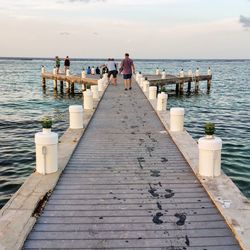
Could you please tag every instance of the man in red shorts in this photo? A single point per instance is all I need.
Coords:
(127, 69)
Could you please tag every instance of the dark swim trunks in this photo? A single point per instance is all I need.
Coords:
(127, 76)
(113, 73)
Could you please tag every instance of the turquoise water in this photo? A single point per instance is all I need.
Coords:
(23, 103)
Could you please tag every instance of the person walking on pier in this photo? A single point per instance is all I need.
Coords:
(66, 63)
(112, 70)
(127, 68)
(57, 64)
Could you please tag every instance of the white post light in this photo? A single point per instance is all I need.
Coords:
(100, 85)
(162, 101)
(88, 100)
(209, 71)
(152, 92)
(177, 119)
(46, 152)
(75, 116)
(181, 73)
(145, 86)
(197, 72)
(94, 89)
(141, 81)
(163, 75)
(210, 156)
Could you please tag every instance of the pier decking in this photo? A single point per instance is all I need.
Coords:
(127, 186)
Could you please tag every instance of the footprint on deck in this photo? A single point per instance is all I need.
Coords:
(156, 218)
(152, 191)
(164, 159)
(155, 173)
(169, 194)
(182, 218)
(159, 206)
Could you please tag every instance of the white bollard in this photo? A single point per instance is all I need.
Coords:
(105, 79)
(210, 156)
(190, 73)
(100, 85)
(197, 72)
(162, 101)
(88, 99)
(181, 73)
(209, 71)
(42, 69)
(46, 152)
(163, 75)
(139, 78)
(157, 72)
(54, 71)
(145, 86)
(152, 92)
(67, 72)
(142, 79)
(83, 74)
(177, 119)
(75, 116)
(94, 89)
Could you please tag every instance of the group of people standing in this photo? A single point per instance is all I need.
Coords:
(126, 68)
(58, 63)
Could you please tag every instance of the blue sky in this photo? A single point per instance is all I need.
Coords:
(108, 28)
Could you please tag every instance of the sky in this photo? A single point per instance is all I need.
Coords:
(164, 29)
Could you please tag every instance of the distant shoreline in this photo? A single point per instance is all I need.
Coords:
(136, 59)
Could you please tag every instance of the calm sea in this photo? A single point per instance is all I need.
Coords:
(23, 103)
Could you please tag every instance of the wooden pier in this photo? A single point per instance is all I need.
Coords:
(156, 80)
(69, 81)
(127, 186)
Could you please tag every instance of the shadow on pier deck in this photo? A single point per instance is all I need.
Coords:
(127, 186)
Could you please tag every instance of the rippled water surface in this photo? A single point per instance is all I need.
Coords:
(23, 103)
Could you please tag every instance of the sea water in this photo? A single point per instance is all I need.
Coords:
(23, 103)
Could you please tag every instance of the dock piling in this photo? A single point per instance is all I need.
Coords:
(55, 84)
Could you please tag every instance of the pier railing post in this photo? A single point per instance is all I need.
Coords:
(152, 92)
(197, 79)
(94, 90)
(177, 119)
(46, 152)
(210, 156)
(76, 116)
(88, 100)
(162, 101)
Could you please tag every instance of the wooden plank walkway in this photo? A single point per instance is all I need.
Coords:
(127, 186)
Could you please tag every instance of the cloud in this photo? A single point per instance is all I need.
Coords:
(245, 21)
(64, 33)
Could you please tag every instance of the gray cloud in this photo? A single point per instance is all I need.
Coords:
(245, 21)
(65, 33)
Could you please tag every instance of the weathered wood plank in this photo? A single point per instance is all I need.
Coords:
(128, 187)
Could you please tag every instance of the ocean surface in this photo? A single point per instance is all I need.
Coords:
(23, 102)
